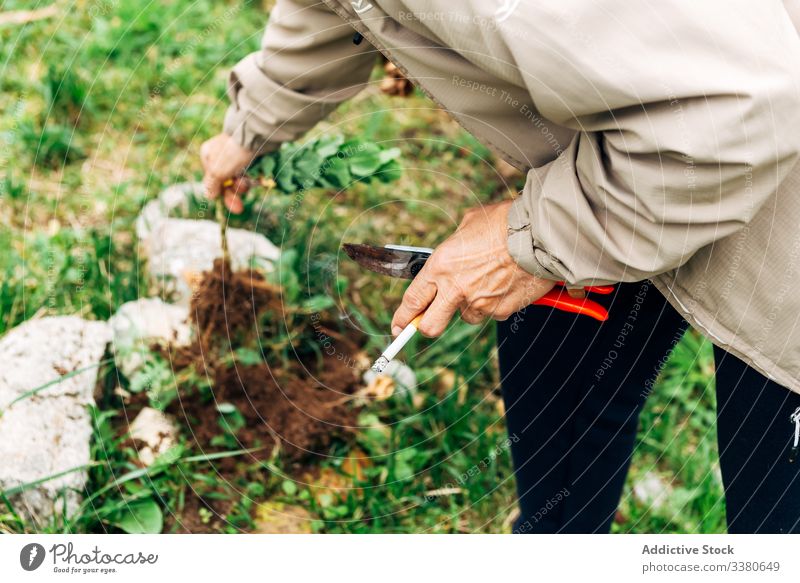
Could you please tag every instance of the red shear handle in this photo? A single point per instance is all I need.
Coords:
(595, 289)
(559, 298)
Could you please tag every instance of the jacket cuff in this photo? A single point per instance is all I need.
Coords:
(235, 125)
(523, 248)
(264, 114)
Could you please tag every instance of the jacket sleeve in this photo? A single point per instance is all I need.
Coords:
(306, 67)
(687, 117)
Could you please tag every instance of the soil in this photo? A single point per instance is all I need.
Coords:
(190, 521)
(297, 411)
(301, 415)
(301, 410)
(227, 304)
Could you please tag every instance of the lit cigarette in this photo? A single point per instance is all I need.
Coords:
(397, 345)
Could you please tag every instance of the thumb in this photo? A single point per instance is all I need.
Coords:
(212, 185)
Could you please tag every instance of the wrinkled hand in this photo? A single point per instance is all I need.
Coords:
(224, 159)
(471, 271)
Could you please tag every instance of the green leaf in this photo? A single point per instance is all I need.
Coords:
(386, 156)
(248, 356)
(403, 471)
(285, 178)
(318, 303)
(328, 145)
(284, 172)
(406, 455)
(219, 441)
(287, 259)
(337, 172)
(389, 172)
(266, 165)
(170, 456)
(140, 517)
(286, 276)
(341, 285)
(289, 487)
(256, 489)
(368, 419)
(366, 160)
(402, 466)
(307, 168)
(152, 373)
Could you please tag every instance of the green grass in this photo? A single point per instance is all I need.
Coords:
(107, 104)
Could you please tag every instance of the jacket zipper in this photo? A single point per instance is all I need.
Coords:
(795, 418)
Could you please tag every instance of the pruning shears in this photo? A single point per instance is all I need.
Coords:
(406, 262)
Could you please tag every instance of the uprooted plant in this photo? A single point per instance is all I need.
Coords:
(268, 384)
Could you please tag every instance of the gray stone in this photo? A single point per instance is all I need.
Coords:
(137, 325)
(172, 202)
(652, 490)
(155, 432)
(405, 379)
(179, 250)
(48, 432)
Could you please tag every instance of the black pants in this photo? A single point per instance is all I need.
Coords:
(574, 388)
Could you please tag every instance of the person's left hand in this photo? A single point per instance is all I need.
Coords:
(471, 271)
(224, 159)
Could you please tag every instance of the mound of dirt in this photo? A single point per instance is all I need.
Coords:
(301, 409)
(226, 304)
(302, 414)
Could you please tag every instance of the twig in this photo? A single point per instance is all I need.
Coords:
(222, 218)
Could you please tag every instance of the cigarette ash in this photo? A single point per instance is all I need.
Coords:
(380, 365)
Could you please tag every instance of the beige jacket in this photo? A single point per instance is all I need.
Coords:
(660, 136)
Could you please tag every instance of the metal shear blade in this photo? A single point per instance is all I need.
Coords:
(392, 260)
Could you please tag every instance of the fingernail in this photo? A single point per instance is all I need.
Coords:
(396, 330)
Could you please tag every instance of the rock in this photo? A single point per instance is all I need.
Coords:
(137, 325)
(178, 250)
(404, 378)
(279, 518)
(651, 490)
(154, 432)
(172, 201)
(48, 432)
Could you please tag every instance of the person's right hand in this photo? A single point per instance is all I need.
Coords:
(224, 159)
